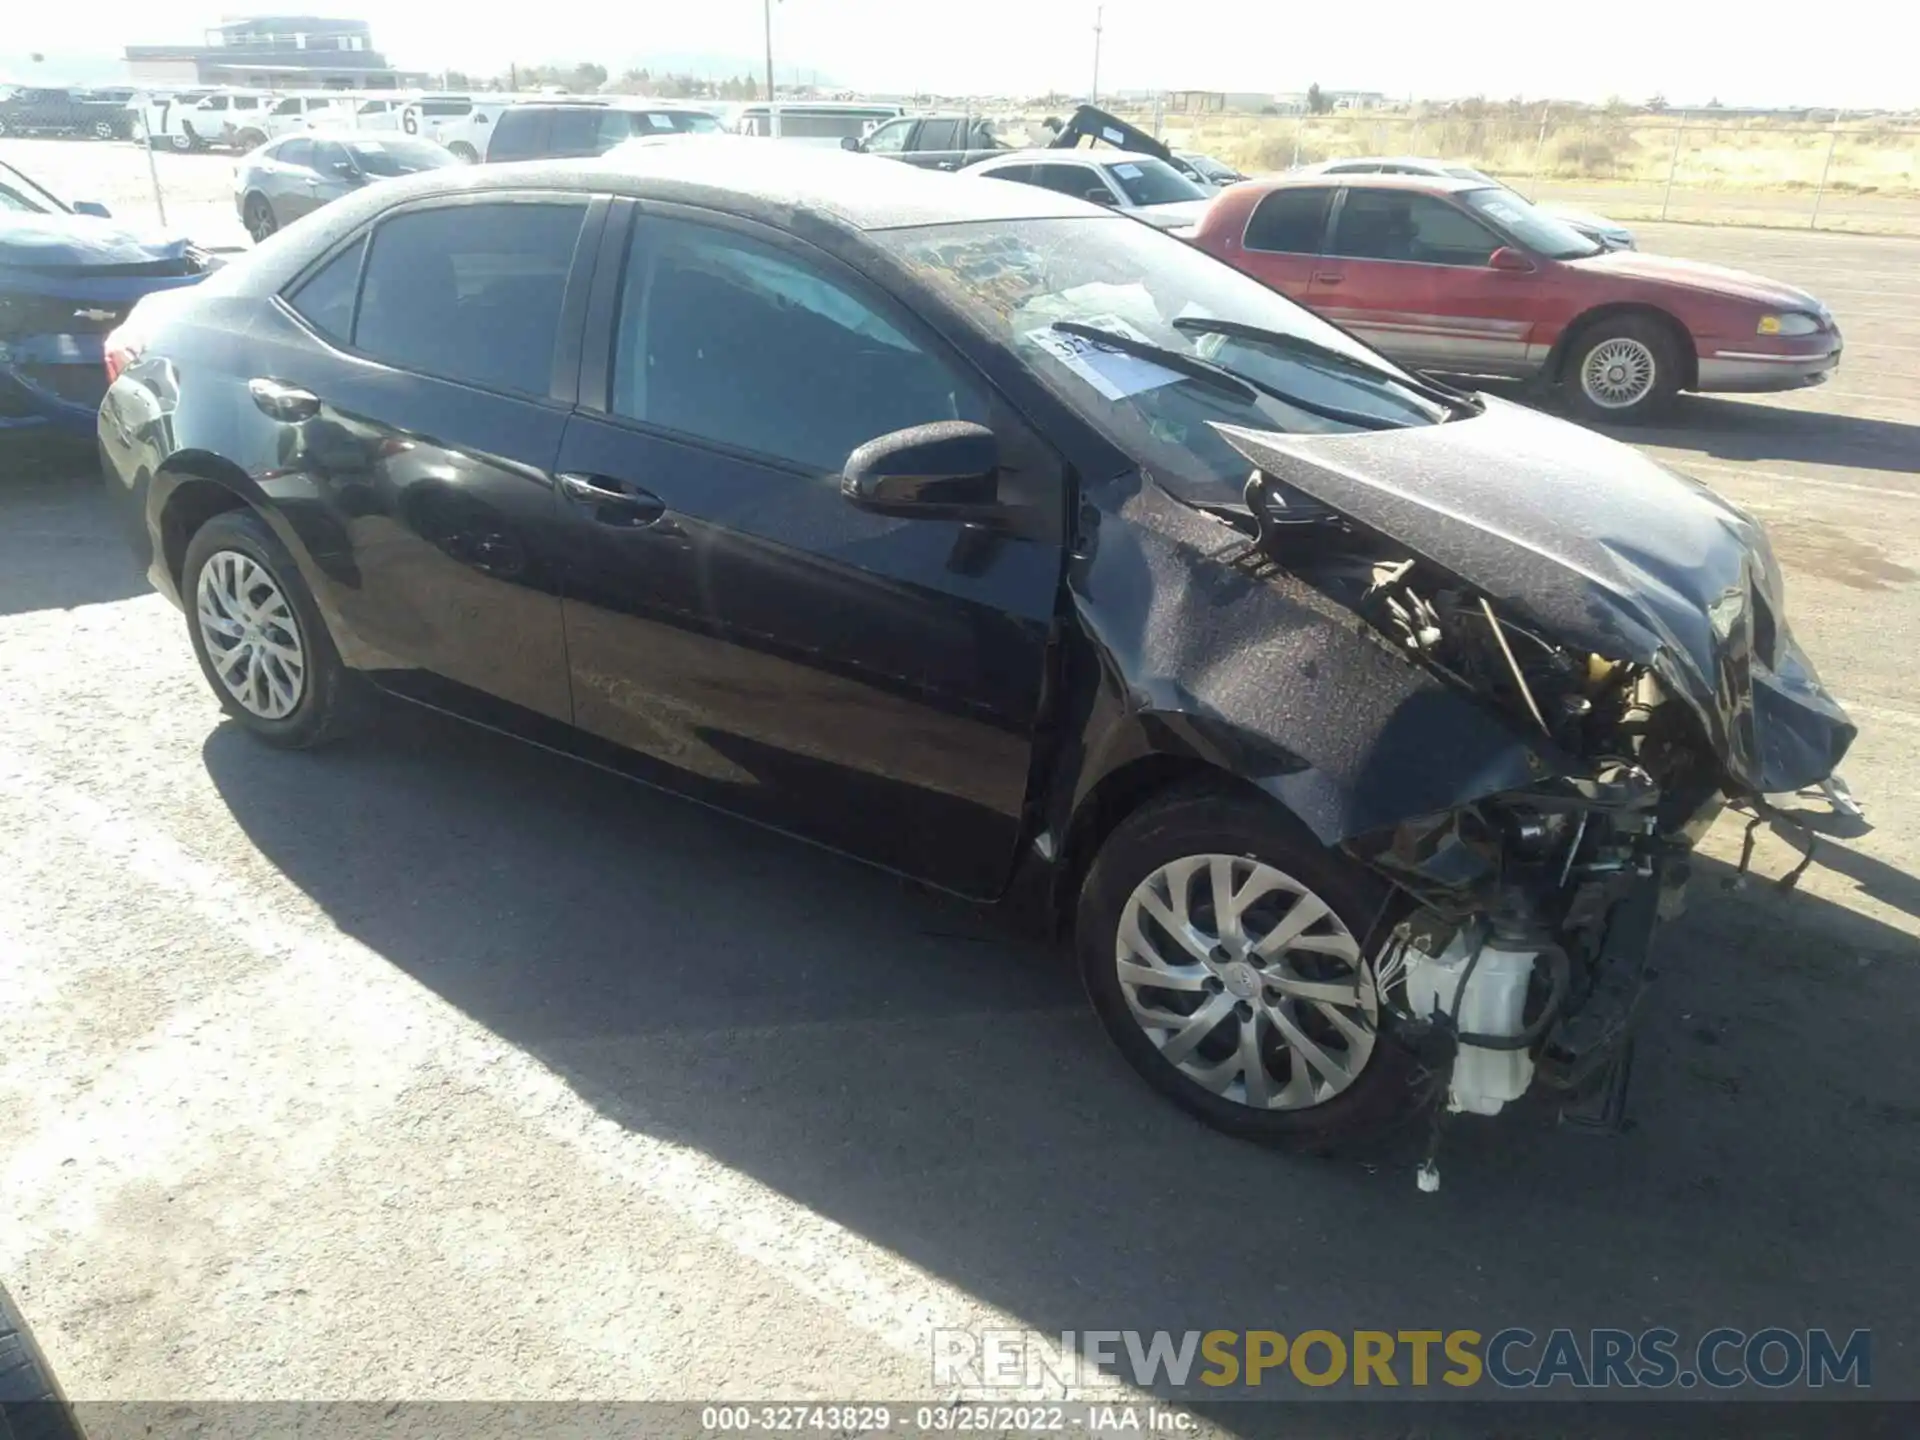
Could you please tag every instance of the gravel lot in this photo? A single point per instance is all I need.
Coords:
(433, 1067)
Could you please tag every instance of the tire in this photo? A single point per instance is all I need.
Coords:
(186, 142)
(31, 1401)
(464, 153)
(249, 140)
(327, 699)
(258, 217)
(103, 130)
(1622, 371)
(1307, 1111)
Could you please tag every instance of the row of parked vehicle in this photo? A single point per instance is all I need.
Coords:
(1354, 727)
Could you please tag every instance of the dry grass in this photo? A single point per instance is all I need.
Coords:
(1734, 155)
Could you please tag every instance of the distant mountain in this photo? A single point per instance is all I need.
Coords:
(714, 65)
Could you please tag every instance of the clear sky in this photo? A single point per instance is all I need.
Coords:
(1857, 53)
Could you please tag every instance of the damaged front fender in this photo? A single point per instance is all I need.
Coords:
(1221, 654)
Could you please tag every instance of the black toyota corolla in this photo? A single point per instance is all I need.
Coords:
(1354, 728)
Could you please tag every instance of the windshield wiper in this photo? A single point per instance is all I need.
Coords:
(1191, 366)
(1444, 395)
(1241, 387)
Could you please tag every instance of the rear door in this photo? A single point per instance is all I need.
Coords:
(419, 383)
(733, 624)
(290, 179)
(1284, 237)
(1407, 272)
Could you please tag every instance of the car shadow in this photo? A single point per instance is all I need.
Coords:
(60, 545)
(1745, 430)
(895, 1062)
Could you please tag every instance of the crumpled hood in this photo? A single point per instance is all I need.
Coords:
(78, 242)
(1603, 550)
(1698, 275)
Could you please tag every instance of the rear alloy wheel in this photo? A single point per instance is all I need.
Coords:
(103, 130)
(259, 637)
(248, 140)
(260, 219)
(1623, 370)
(1221, 945)
(186, 141)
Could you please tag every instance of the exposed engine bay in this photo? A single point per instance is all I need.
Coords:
(1521, 951)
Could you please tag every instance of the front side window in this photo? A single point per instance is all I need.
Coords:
(471, 292)
(1016, 280)
(1290, 222)
(1408, 226)
(726, 339)
(1148, 181)
(398, 155)
(891, 138)
(287, 107)
(1532, 227)
(330, 158)
(325, 299)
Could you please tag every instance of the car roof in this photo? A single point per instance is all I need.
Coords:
(1044, 154)
(1427, 184)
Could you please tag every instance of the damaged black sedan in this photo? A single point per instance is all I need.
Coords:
(1356, 730)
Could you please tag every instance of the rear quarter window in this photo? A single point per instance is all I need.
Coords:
(325, 298)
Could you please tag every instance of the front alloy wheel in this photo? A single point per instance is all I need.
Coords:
(1246, 981)
(1623, 370)
(261, 221)
(1218, 939)
(251, 634)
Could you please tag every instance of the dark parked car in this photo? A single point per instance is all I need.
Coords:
(37, 110)
(559, 130)
(68, 275)
(933, 142)
(297, 174)
(913, 514)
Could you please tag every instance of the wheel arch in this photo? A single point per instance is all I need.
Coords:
(191, 488)
(1584, 322)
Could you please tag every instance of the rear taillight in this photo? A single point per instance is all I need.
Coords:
(123, 348)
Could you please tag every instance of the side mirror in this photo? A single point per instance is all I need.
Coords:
(949, 470)
(851, 142)
(93, 208)
(1513, 261)
(346, 169)
(1099, 195)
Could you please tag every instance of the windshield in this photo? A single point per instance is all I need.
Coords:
(1147, 181)
(1532, 227)
(22, 196)
(398, 157)
(676, 122)
(1017, 280)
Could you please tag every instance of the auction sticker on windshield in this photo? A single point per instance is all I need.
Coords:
(1114, 374)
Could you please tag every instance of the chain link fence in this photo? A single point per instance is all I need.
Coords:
(1698, 166)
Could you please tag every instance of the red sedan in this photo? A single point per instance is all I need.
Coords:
(1461, 278)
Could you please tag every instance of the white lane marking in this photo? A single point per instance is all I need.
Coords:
(398, 1028)
(1685, 463)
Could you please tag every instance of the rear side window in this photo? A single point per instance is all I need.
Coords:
(295, 152)
(1023, 174)
(521, 135)
(1080, 181)
(325, 299)
(471, 292)
(940, 135)
(576, 132)
(1289, 222)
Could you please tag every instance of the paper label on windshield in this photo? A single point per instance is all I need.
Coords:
(1113, 374)
(1127, 172)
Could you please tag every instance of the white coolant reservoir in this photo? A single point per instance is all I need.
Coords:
(1495, 1003)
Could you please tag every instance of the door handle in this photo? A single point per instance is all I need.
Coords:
(1327, 277)
(619, 503)
(283, 402)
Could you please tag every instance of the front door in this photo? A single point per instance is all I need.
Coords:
(737, 628)
(416, 445)
(1407, 272)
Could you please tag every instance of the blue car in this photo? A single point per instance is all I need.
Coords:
(68, 275)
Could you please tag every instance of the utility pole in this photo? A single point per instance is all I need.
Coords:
(1099, 17)
(767, 5)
